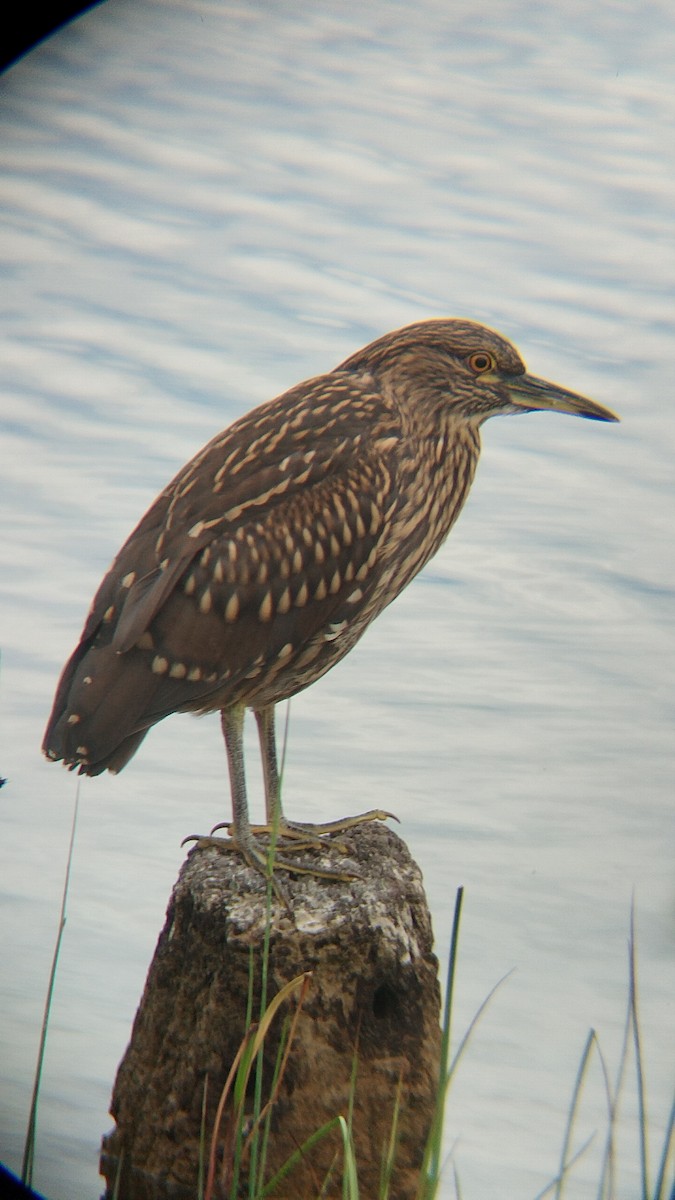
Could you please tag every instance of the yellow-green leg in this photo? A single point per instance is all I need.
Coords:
(242, 832)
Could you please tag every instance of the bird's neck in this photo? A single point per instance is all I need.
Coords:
(435, 479)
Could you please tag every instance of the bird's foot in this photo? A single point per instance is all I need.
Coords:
(266, 861)
(307, 834)
(296, 836)
(302, 837)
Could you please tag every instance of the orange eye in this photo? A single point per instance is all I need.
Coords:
(480, 362)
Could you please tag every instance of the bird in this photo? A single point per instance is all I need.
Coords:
(268, 555)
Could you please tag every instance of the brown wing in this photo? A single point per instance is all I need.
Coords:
(232, 584)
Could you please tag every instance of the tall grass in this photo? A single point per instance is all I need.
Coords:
(608, 1182)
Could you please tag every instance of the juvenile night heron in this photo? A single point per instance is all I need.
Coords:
(268, 555)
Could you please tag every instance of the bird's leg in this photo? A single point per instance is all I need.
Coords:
(276, 824)
(232, 724)
(268, 753)
(275, 816)
(242, 832)
(242, 839)
(265, 720)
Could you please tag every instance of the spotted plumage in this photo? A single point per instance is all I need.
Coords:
(264, 560)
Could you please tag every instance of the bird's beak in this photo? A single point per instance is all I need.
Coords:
(529, 393)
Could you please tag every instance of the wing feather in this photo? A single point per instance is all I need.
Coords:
(242, 561)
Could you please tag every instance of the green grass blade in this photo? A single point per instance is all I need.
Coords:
(430, 1173)
(350, 1183)
(607, 1186)
(637, 1048)
(349, 1166)
(277, 1075)
(118, 1176)
(248, 1028)
(389, 1154)
(473, 1023)
(578, 1084)
(568, 1167)
(668, 1152)
(298, 1155)
(31, 1132)
(201, 1167)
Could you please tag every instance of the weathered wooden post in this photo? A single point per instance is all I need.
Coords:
(373, 994)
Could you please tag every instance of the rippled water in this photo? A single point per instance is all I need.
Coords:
(203, 204)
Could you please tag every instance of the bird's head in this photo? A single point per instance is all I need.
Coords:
(469, 368)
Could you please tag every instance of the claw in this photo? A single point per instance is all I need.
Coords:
(259, 859)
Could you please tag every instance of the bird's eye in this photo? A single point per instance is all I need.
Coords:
(481, 362)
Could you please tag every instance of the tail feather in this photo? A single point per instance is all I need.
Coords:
(100, 711)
